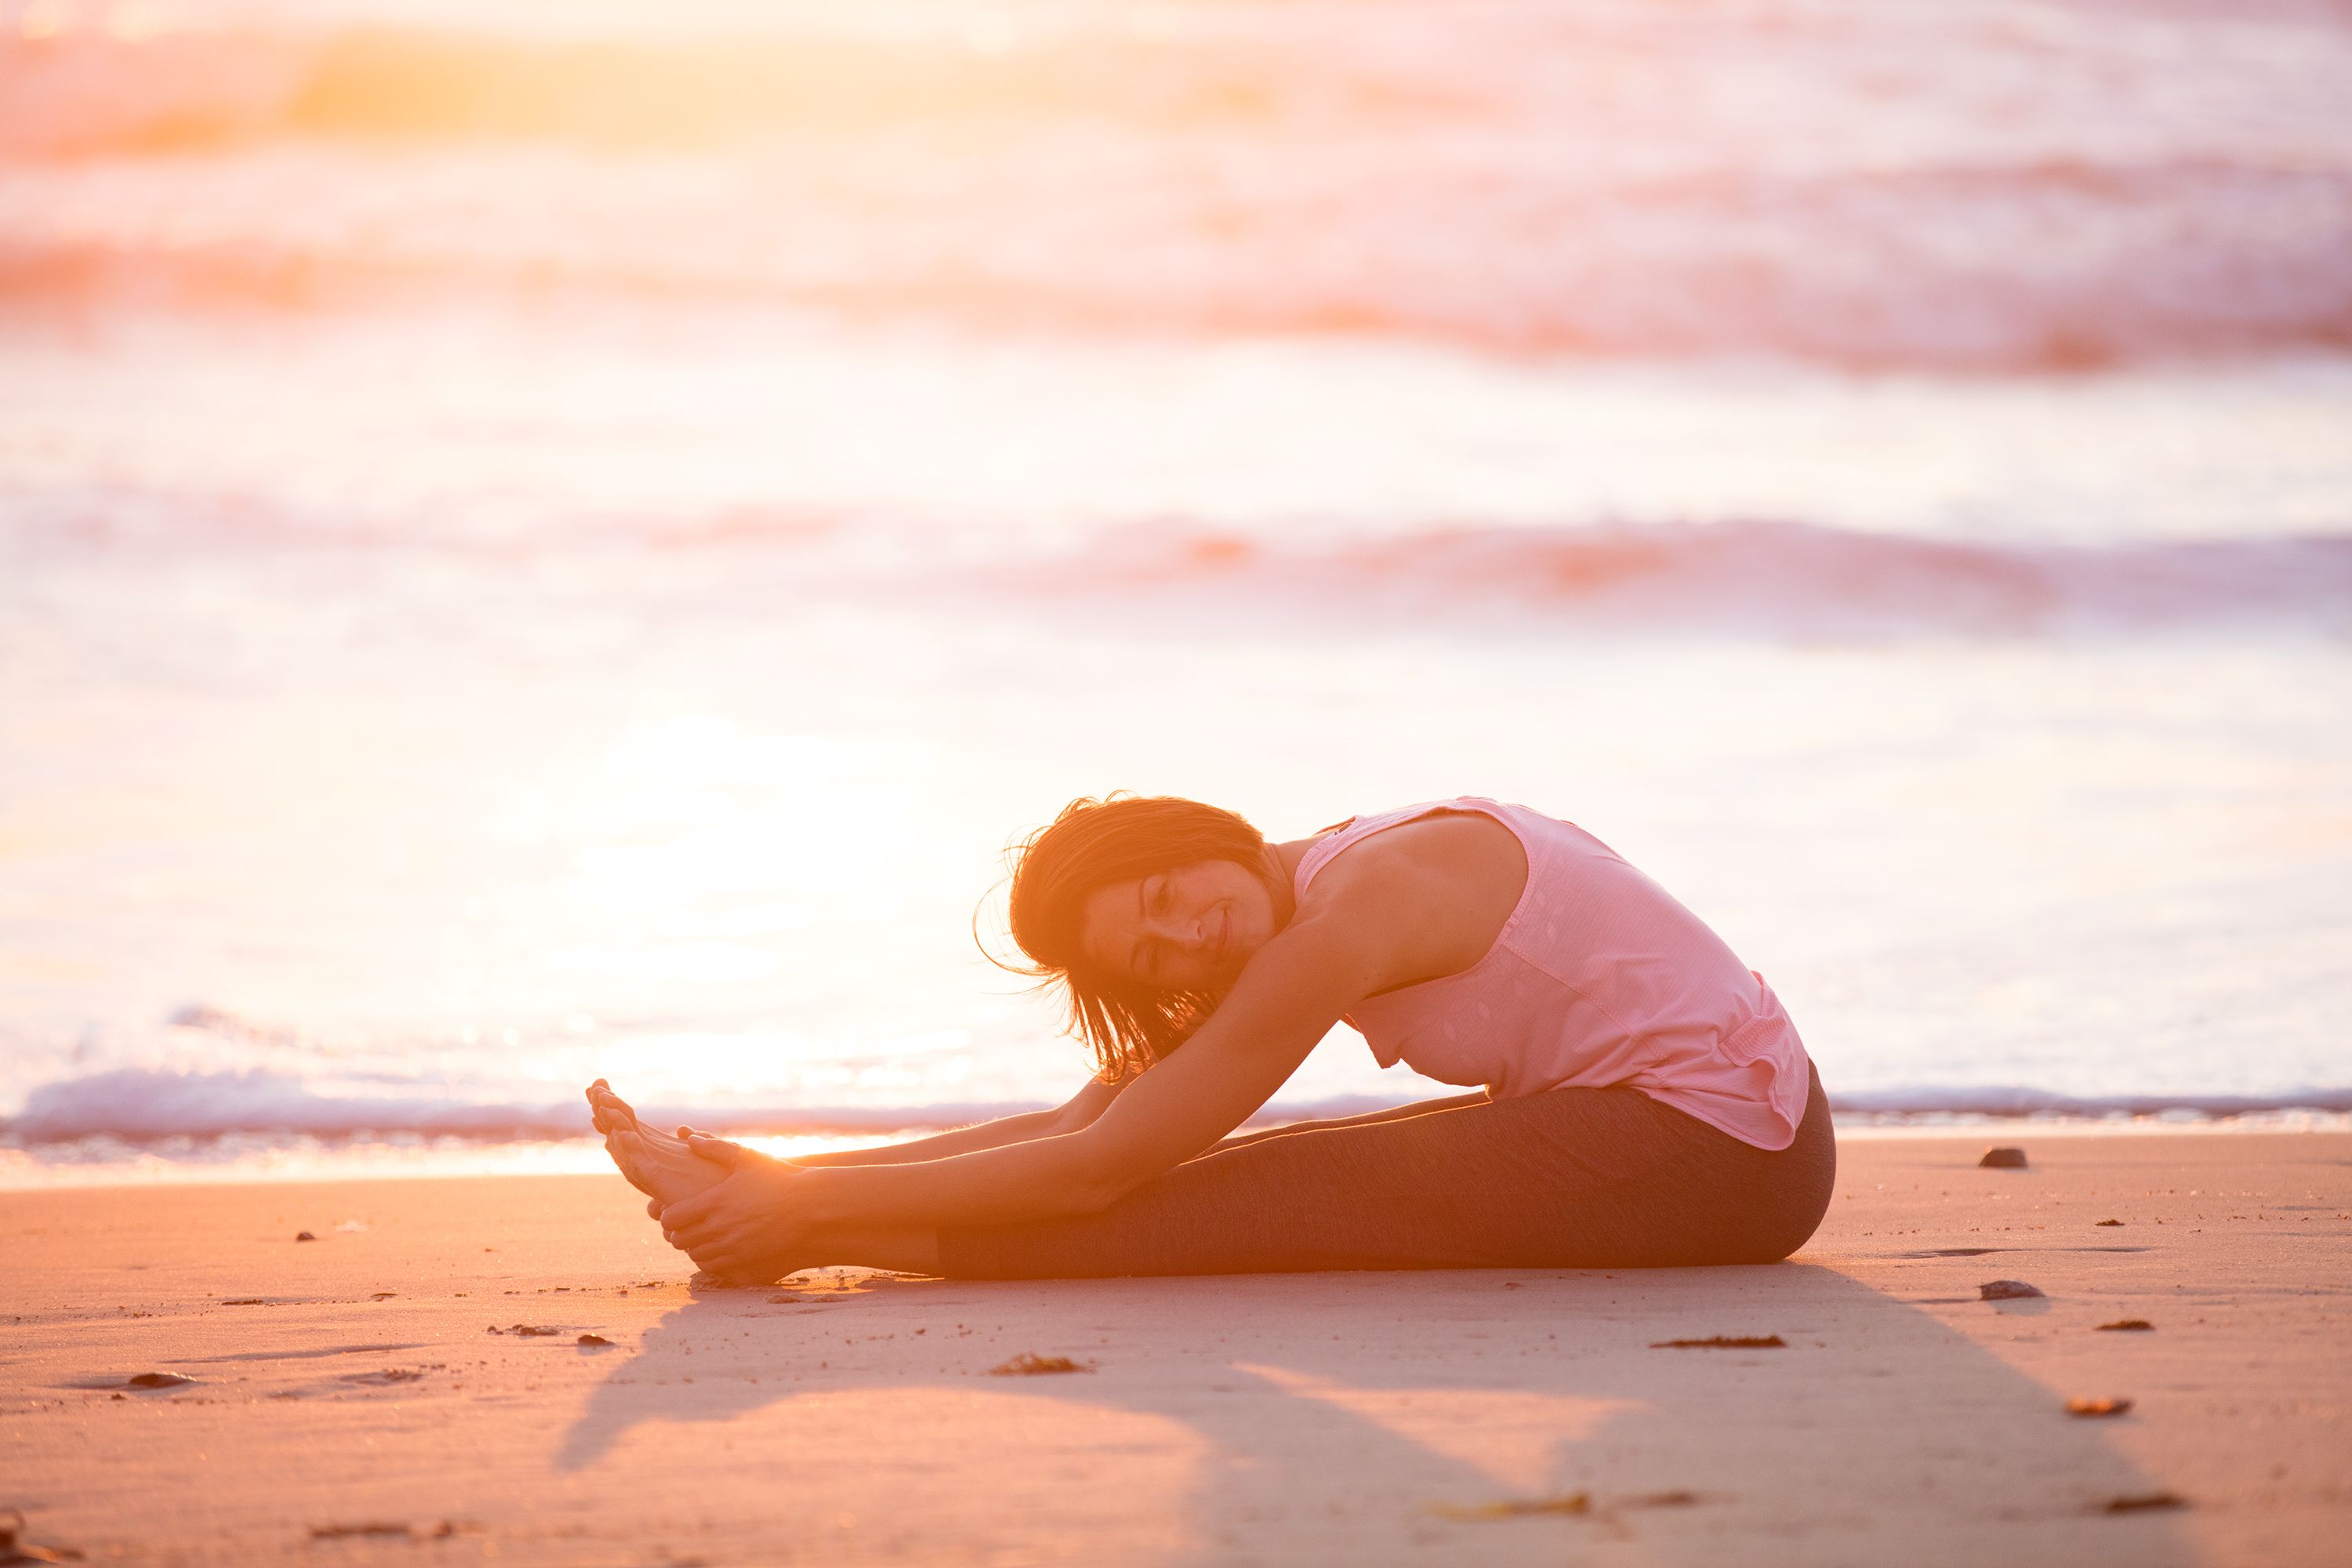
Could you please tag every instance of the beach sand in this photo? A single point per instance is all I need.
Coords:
(353, 1402)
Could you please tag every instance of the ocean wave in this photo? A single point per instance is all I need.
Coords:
(1744, 578)
(1246, 170)
(1959, 271)
(1769, 579)
(2010, 1101)
(139, 1106)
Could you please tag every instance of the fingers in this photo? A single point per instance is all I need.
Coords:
(719, 1231)
(714, 1257)
(705, 1232)
(717, 1149)
(736, 1259)
(654, 1210)
(689, 1211)
(737, 1266)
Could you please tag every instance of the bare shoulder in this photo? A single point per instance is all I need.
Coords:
(1440, 889)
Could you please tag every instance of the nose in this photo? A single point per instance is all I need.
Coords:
(1183, 931)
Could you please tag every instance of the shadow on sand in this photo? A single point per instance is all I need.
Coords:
(1456, 1412)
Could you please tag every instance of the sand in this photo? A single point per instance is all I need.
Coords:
(352, 1402)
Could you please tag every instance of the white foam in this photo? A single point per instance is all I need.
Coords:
(142, 1107)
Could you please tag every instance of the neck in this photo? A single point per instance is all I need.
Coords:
(1281, 872)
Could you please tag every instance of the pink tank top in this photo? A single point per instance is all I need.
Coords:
(1598, 978)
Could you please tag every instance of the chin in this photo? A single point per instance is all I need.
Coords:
(1238, 960)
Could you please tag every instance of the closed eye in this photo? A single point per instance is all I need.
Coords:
(1138, 958)
(1152, 897)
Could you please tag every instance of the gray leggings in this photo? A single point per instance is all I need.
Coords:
(1572, 1178)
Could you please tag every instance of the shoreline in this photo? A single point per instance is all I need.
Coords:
(367, 1393)
(281, 1158)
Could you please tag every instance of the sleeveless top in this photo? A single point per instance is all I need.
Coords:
(1598, 978)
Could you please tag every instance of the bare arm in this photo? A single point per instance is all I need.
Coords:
(1075, 1116)
(1376, 922)
(1281, 1007)
(765, 1212)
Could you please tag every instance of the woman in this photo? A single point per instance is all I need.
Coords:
(1646, 1100)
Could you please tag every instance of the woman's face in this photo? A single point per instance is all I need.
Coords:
(1191, 929)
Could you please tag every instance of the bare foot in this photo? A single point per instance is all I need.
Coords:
(609, 1111)
(657, 1163)
(661, 1166)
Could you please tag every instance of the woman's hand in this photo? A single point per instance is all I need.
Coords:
(746, 1227)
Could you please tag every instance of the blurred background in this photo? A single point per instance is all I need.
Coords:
(554, 540)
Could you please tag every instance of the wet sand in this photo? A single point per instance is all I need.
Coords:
(351, 1402)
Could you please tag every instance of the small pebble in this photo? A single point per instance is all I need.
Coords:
(345, 1532)
(157, 1380)
(304, 1236)
(2125, 1325)
(2111, 1222)
(2005, 1290)
(594, 1340)
(2079, 1407)
(2003, 1160)
(1724, 1342)
(1514, 1508)
(1028, 1363)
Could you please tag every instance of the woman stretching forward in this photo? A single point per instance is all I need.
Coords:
(1646, 1100)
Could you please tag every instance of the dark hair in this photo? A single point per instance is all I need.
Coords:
(1092, 844)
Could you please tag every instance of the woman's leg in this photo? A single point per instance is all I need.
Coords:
(902, 1249)
(1572, 1178)
(915, 1249)
(1369, 1118)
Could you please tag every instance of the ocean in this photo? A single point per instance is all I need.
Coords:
(565, 541)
